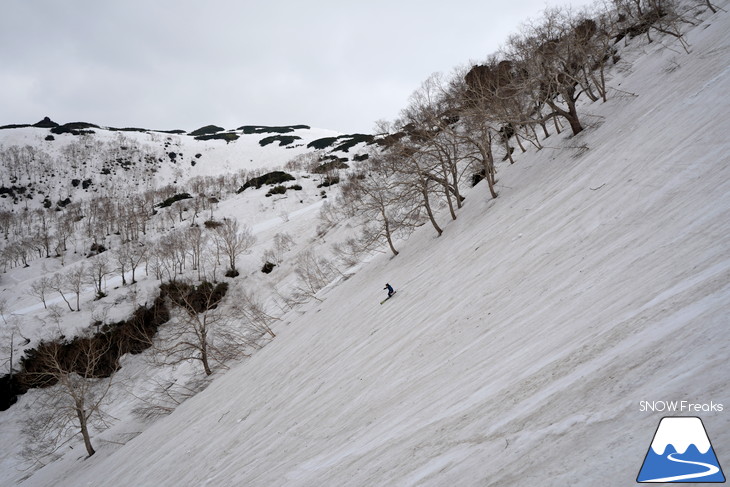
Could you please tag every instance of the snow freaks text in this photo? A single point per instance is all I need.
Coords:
(679, 406)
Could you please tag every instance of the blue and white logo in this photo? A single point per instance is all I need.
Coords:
(681, 452)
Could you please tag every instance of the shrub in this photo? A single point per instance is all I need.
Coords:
(346, 142)
(96, 249)
(127, 129)
(210, 224)
(227, 136)
(275, 177)
(208, 129)
(322, 143)
(268, 267)
(169, 201)
(329, 181)
(282, 139)
(477, 177)
(279, 189)
(15, 126)
(133, 335)
(74, 128)
(195, 298)
(262, 129)
(353, 140)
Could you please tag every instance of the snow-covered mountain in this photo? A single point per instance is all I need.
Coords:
(48, 161)
(520, 342)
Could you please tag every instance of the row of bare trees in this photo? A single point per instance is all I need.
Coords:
(79, 226)
(459, 125)
(167, 258)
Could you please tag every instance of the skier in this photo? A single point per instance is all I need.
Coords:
(390, 289)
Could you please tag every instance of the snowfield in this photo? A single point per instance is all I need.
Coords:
(520, 343)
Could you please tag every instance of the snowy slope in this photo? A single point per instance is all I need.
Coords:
(520, 343)
(117, 163)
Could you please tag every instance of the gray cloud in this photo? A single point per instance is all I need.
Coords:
(183, 64)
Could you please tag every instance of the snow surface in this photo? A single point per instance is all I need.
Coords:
(520, 342)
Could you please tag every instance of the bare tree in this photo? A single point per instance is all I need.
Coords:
(381, 200)
(664, 16)
(234, 240)
(74, 280)
(203, 331)
(197, 240)
(75, 381)
(164, 396)
(282, 244)
(313, 273)
(431, 122)
(58, 284)
(10, 328)
(43, 233)
(40, 289)
(6, 223)
(136, 253)
(551, 56)
(481, 97)
(255, 317)
(415, 171)
(99, 268)
(121, 261)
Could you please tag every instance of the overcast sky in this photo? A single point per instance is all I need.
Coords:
(182, 64)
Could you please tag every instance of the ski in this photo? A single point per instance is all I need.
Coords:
(388, 297)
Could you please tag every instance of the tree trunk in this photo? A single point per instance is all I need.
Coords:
(571, 115)
(387, 235)
(84, 430)
(66, 300)
(447, 192)
(204, 358)
(427, 204)
(488, 170)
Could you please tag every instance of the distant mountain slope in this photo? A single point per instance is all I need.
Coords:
(48, 161)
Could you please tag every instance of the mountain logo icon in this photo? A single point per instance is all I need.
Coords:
(681, 452)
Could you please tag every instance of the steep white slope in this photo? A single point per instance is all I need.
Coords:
(520, 342)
